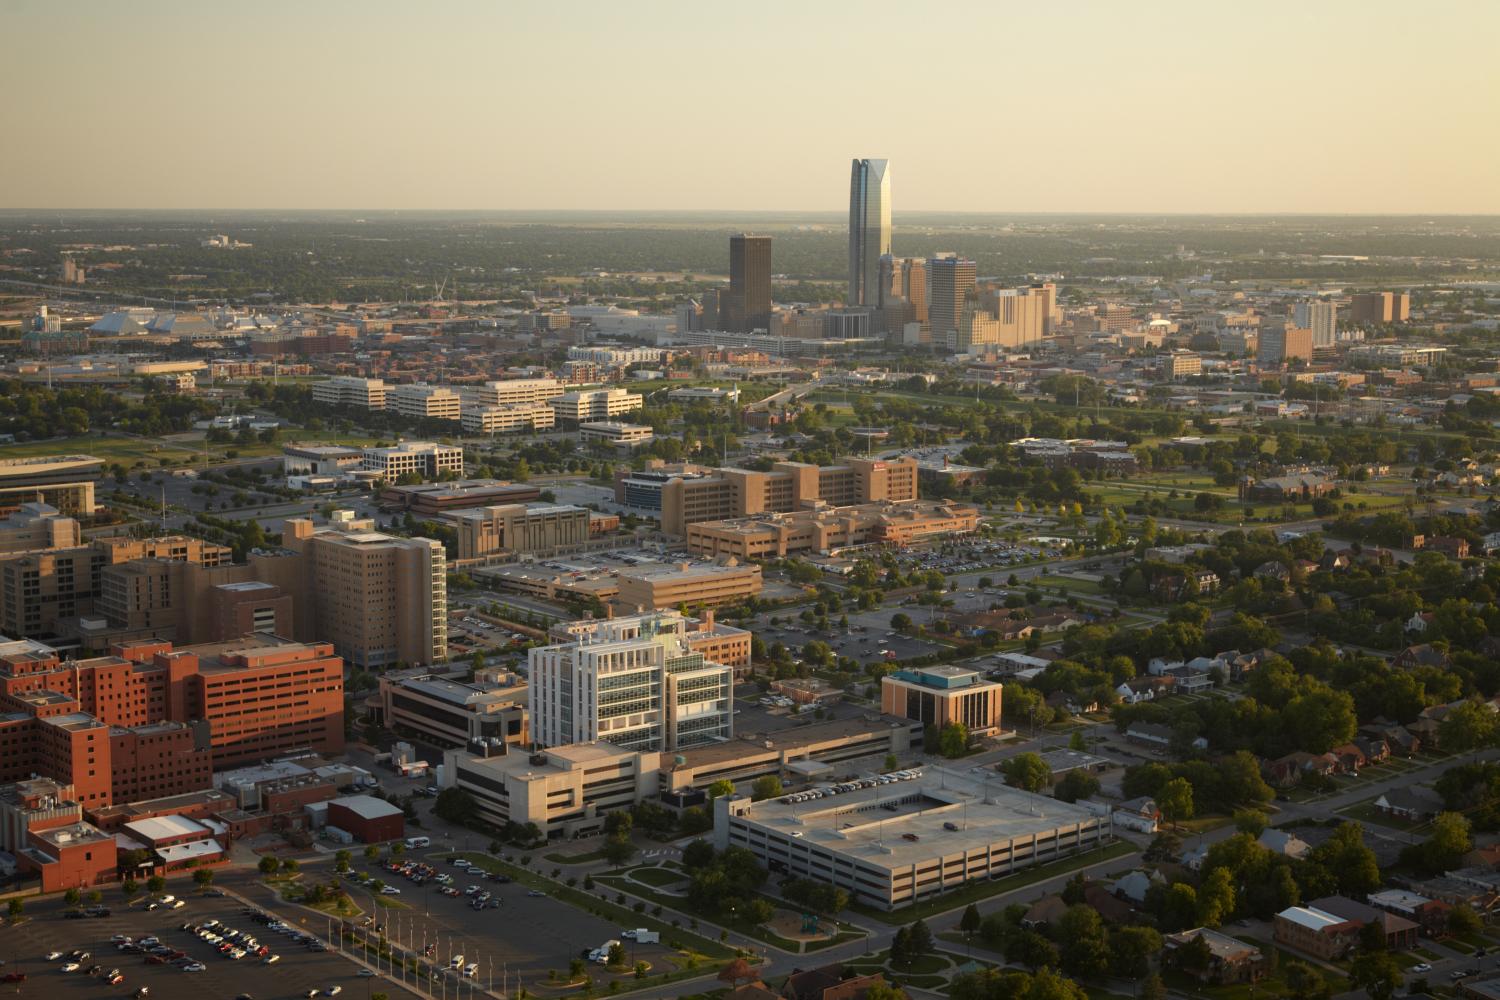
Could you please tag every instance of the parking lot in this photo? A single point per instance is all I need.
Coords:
(867, 646)
(297, 972)
(525, 936)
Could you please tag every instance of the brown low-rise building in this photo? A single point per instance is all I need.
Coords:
(936, 696)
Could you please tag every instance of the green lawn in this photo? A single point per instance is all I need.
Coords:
(682, 905)
(984, 889)
(111, 449)
(1366, 812)
(659, 877)
(574, 859)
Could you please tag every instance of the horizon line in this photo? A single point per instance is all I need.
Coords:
(786, 211)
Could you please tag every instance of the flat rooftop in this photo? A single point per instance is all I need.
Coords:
(983, 808)
(790, 740)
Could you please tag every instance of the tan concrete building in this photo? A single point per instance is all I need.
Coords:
(936, 696)
(507, 418)
(379, 599)
(1380, 307)
(425, 458)
(44, 594)
(484, 531)
(774, 536)
(754, 755)
(36, 526)
(453, 713)
(564, 790)
(691, 584)
(1281, 345)
(65, 482)
(686, 494)
(585, 405)
(349, 390)
(421, 401)
(518, 391)
(614, 434)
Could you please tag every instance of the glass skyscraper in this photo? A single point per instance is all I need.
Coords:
(869, 229)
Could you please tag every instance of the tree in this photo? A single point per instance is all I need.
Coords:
(953, 741)
(1152, 988)
(618, 849)
(1448, 842)
(970, 922)
(372, 851)
(1076, 784)
(1216, 898)
(269, 865)
(203, 877)
(15, 909)
(616, 955)
(291, 866)
(341, 860)
(1130, 951)
(891, 763)
(1468, 726)
(1175, 800)
(1352, 864)
(1083, 950)
(1377, 973)
(1304, 981)
(900, 621)
(1028, 948)
(155, 883)
(129, 888)
(765, 787)
(697, 854)
(456, 805)
(721, 787)
(1463, 920)
(1026, 771)
(1250, 821)
(72, 897)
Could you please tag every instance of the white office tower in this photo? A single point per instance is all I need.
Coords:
(869, 229)
(1321, 318)
(633, 682)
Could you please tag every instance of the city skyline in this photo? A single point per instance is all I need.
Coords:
(1286, 140)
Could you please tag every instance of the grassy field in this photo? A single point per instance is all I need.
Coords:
(124, 450)
(679, 903)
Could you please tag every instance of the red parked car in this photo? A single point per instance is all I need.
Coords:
(13, 977)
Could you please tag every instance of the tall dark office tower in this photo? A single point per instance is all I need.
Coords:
(950, 278)
(914, 286)
(869, 228)
(747, 304)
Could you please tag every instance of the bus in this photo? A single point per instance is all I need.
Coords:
(412, 843)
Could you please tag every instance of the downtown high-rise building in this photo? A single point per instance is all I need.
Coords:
(747, 304)
(1321, 317)
(950, 279)
(869, 229)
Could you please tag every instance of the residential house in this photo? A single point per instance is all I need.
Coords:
(1112, 908)
(828, 982)
(1149, 734)
(1135, 885)
(1043, 912)
(1422, 655)
(1230, 960)
(1272, 570)
(1411, 803)
(1453, 548)
(1399, 740)
(1286, 771)
(1141, 815)
(1284, 843)
(1375, 748)
(1351, 757)
(1419, 621)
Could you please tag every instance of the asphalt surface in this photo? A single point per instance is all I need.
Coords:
(45, 930)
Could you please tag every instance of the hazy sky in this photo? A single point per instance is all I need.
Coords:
(1304, 106)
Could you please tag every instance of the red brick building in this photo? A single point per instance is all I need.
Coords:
(370, 819)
